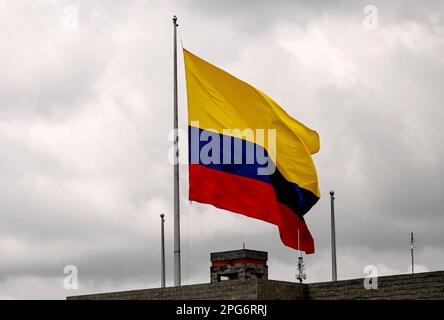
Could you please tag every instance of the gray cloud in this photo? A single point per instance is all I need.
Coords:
(85, 116)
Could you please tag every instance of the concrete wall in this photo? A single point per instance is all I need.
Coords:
(236, 289)
(280, 290)
(429, 285)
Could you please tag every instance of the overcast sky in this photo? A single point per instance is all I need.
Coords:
(86, 108)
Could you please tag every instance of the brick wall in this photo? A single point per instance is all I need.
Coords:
(428, 285)
(280, 290)
(239, 290)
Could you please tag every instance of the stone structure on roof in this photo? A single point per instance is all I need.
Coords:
(241, 264)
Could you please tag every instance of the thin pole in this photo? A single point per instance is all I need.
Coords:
(177, 279)
(412, 241)
(162, 250)
(299, 260)
(334, 274)
(301, 274)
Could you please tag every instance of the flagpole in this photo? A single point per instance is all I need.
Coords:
(162, 251)
(177, 278)
(334, 274)
(412, 241)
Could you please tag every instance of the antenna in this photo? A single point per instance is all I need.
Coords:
(301, 276)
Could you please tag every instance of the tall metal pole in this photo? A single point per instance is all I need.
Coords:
(334, 274)
(162, 250)
(412, 241)
(177, 279)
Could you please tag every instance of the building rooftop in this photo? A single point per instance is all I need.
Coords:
(427, 285)
(246, 277)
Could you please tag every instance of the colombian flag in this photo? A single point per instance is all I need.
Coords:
(247, 155)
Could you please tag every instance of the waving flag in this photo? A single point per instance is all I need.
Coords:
(247, 155)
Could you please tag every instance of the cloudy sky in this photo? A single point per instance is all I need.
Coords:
(86, 109)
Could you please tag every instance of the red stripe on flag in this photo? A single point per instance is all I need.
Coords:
(249, 197)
